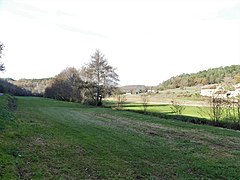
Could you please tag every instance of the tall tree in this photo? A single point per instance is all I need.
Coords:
(2, 67)
(100, 75)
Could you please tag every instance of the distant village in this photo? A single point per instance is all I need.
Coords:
(219, 91)
(137, 89)
(213, 90)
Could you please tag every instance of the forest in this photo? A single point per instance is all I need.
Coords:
(228, 75)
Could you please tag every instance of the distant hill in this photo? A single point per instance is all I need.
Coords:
(35, 86)
(228, 74)
(133, 88)
(10, 88)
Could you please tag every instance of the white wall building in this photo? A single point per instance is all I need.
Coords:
(219, 91)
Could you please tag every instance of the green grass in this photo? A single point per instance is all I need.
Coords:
(185, 95)
(189, 113)
(60, 140)
(7, 131)
(192, 111)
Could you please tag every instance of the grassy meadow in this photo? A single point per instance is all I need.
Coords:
(50, 139)
(192, 111)
(187, 95)
(196, 109)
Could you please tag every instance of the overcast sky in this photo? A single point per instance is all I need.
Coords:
(148, 41)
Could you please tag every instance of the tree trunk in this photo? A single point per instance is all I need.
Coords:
(98, 98)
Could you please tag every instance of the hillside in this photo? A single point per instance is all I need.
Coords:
(60, 140)
(132, 88)
(7, 86)
(227, 75)
(24, 87)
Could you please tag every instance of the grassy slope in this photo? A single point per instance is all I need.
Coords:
(7, 130)
(59, 139)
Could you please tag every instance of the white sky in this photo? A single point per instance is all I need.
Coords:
(147, 40)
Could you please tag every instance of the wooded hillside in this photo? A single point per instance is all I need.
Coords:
(228, 75)
(24, 87)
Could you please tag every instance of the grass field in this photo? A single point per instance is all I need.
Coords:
(200, 112)
(53, 139)
(166, 109)
(188, 95)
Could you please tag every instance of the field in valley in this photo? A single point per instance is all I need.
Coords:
(162, 102)
(54, 139)
(188, 96)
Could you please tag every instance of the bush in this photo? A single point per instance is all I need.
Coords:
(177, 108)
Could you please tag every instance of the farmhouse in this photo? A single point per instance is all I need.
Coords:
(237, 86)
(236, 92)
(210, 90)
(219, 91)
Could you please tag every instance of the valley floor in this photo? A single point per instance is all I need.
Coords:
(54, 139)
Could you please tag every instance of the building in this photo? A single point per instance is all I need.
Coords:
(219, 91)
(210, 90)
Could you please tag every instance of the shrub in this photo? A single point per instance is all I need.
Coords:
(177, 107)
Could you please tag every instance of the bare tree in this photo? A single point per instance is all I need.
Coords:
(100, 75)
(66, 86)
(238, 110)
(228, 82)
(120, 98)
(177, 107)
(145, 99)
(214, 110)
(2, 67)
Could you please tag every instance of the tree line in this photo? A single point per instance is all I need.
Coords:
(2, 67)
(228, 75)
(88, 85)
(35, 86)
